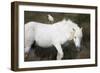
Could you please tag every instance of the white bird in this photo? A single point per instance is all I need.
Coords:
(50, 18)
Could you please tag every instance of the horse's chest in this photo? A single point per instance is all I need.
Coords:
(64, 37)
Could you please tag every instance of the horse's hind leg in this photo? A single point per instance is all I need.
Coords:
(29, 36)
(60, 51)
(27, 49)
(28, 44)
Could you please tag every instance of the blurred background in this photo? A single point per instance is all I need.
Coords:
(38, 53)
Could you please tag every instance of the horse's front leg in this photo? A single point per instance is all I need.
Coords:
(59, 50)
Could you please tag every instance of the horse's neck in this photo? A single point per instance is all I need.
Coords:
(59, 26)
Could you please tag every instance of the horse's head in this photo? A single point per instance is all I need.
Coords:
(76, 31)
(77, 37)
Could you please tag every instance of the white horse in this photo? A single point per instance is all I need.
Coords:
(56, 34)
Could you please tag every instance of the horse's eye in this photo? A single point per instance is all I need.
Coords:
(75, 37)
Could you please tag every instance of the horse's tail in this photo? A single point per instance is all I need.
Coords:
(29, 35)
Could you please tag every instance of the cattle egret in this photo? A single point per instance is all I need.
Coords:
(50, 18)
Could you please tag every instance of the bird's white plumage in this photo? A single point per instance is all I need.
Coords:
(50, 18)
